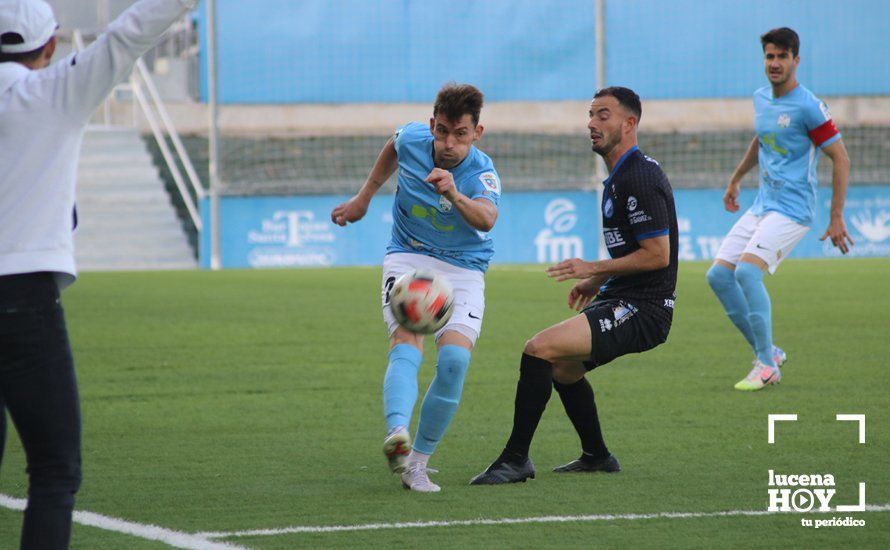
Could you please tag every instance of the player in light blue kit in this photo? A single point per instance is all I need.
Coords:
(791, 124)
(445, 205)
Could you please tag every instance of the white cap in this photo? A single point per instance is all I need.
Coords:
(33, 20)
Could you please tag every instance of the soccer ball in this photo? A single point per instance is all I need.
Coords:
(421, 301)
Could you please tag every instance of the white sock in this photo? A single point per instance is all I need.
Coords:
(418, 458)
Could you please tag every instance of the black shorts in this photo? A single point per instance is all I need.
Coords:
(618, 327)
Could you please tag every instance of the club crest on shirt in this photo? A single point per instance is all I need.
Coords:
(608, 208)
(784, 121)
(444, 204)
(631, 203)
(490, 181)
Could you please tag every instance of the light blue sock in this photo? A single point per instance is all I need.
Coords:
(750, 278)
(400, 385)
(723, 283)
(442, 398)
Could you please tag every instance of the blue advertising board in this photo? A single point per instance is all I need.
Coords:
(703, 222)
(266, 232)
(297, 231)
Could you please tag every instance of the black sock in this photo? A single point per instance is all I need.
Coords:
(580, 407)
(532, 393)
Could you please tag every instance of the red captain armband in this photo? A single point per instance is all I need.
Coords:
(823, 133)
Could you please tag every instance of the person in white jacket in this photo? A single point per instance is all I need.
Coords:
(44, 108)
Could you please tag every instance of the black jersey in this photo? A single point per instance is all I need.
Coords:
(638, 203)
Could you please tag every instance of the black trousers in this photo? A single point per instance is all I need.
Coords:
(39, 389)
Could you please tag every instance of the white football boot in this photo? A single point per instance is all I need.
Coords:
(417, 479)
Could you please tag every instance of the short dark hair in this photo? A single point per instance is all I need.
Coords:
(626, 97)
(782, 37)
(456, 100)
(13, 38)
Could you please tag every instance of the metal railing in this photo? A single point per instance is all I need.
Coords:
(155, 113)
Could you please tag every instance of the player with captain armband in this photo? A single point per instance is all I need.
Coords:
(792, 124)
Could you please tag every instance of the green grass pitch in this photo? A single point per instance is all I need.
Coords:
(244, 400)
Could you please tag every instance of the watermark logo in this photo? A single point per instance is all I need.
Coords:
(809, 492)
(553, 243)
(795, 493)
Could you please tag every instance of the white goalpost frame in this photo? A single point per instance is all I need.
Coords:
(213, 141)
(600, 173)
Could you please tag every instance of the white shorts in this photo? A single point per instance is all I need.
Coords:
(769, 237)
(469, 292)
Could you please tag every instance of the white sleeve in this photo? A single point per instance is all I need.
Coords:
(83, 81)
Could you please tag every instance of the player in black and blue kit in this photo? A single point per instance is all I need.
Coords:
(627, 301)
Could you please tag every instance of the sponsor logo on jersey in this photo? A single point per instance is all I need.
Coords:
(769, 140)
(424, 212)
(771, 181)
(490, 181)
(639, 216)
(605, 325)
(623, 312)
(613, 237)
(784, 121)
(631, 203)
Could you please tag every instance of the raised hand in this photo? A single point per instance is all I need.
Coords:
(731, 198)
(442, 181)
(350, 211)
(837, 232)
(583, 293)
(575, 268)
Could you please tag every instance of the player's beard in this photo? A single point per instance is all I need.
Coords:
(606, 144)
(446, 163)
(781, 78)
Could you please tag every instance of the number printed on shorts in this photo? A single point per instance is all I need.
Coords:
(387, 286)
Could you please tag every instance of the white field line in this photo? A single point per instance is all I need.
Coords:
(176, 539)
(202, 541)
(503, 521)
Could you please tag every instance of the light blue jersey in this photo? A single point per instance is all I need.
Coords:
(425, 222)
(789, 129)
